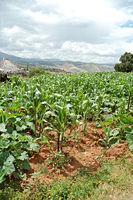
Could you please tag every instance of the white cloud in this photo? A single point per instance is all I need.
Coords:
(99, 11)
(11, 31)
(42, 17)
(120, 33)
(86, 30)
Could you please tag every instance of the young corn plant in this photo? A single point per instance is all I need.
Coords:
(58, 120)
(86, 106)
(111, 137)
(58, 123)
(130, 97)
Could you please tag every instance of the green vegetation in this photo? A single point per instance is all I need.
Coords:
(126, 64)
(31, 108)
(112, 181)
(36, 72)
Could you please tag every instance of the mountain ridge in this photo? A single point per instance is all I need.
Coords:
(66, 66)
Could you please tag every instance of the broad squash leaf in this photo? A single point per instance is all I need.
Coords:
(3, 127)
(6, 163)
(129, 139)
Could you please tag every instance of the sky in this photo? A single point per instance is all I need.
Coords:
(97, 31)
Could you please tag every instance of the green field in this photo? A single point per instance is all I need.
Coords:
(30, 108)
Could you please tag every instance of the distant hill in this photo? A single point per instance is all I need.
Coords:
(76, 67)
(58, 65)
(16, 59)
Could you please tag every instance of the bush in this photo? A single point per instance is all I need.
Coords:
(36, 72)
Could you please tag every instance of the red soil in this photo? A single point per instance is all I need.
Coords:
(82, 151)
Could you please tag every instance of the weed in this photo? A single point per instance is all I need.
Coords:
(58, 160)
(43, 169)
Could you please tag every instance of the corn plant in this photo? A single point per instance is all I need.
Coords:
(58, 119)
(111, 137)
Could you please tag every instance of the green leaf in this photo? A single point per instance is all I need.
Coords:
(23, 156)
(20, 155)
(3, 127)
(49, 113)
(58, 95)
(128, 130)
(112, 141)
(10, 129)
(2, 176)
(15, 134)
(31, 126)
(20, 175)
(4, 143)
(44, 140)
(6, 163)
(32, 146)
(21, 128)
(48, 128)
(23, 164)
(127, 120)
(129, 139)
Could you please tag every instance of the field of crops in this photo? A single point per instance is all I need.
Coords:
(30, 108)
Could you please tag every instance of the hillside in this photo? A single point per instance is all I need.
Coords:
(59, 65)
(75, 67)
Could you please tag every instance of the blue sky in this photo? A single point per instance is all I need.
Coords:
(128, 23)
(97, 31)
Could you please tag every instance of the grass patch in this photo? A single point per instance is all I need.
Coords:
(120, 186)
(112, 181)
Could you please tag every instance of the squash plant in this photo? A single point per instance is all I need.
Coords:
(15, 145)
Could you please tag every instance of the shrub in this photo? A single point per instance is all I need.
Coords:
(36, 72)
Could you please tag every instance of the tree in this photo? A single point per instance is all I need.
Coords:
(126, 64)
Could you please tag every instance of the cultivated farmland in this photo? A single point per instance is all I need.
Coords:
(52, 110)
